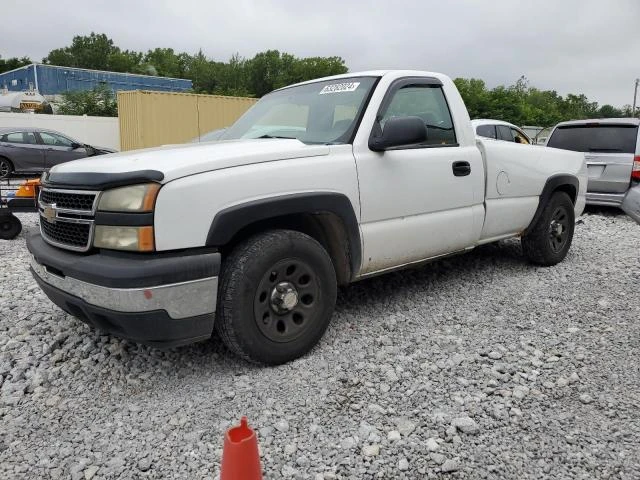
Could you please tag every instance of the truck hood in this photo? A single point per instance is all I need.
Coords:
(175, 161)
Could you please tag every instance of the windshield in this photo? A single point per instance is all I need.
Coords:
(595, 138)
(324, 112)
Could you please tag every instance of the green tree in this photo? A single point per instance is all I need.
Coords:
(523, 104)
(124, 61)
(61, 57)
(476, 97)
(272, 69)
(627, 111)
(165, 61)
(13, 63)
(315, 67)
(232, 77)
(609, 111)
(98, 102)
(89, 51)
(264, 71)
(202, 72)
(255, 77)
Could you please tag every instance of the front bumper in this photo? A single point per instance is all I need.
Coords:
(161, 299)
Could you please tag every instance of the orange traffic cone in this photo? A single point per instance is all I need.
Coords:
(240, 458)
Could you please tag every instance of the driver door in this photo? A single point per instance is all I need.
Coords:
(59, 149)
(415, 202)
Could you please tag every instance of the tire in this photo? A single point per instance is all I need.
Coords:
(549, 240)
(276, 297)
(6, 168)
(10, 226)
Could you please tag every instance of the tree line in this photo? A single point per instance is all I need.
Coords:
(522, 104)
(239, 76)
(519, 103)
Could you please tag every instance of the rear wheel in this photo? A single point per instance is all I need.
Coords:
(276, 297)
(10, 226)
(5, 168)
(549, 240)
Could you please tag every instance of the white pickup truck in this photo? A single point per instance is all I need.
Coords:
(318, 185)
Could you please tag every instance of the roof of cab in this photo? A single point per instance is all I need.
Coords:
(372, 73)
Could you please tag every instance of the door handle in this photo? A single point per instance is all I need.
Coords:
(461, 169)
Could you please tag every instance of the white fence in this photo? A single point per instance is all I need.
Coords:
(98, 131)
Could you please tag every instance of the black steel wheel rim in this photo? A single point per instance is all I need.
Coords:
(558, 229)
(4, 168)
(278, 317)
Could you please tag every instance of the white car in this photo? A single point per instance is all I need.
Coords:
(351, 176)
(499, 130)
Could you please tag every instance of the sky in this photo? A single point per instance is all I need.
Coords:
(571, 46)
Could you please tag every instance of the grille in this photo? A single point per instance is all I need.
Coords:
(68, 200)
(74, 235)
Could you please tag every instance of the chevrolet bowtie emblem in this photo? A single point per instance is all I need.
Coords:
(49, 213)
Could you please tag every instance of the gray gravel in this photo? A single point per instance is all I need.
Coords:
(481, 366)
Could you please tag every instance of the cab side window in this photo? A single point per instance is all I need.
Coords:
(488, 131)
(428, 103)
(504, 133)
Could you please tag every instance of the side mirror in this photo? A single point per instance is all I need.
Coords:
(399, 131)
(75, 145)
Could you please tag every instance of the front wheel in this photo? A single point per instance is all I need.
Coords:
(276, 297)
(549, 240)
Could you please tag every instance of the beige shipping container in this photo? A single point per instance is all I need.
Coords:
(148, 119)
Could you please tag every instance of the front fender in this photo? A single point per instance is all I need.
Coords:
(228, 222)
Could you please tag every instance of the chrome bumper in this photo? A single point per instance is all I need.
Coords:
(179, 300)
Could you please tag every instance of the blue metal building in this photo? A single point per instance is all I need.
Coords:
(54, 80)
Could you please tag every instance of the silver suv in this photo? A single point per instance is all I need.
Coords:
(612, 151)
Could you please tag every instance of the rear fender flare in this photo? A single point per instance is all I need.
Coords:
(553, 183)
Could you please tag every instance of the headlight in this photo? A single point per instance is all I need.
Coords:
(137, 198)
(135, 239)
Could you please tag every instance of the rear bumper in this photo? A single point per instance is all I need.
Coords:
(605, 199)
(138, 300)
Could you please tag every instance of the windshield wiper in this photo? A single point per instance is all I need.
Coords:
(276, 136)
(605, 150)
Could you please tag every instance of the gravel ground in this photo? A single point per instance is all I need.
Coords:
(481, 366)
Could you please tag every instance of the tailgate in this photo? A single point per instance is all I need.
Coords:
(609, 172)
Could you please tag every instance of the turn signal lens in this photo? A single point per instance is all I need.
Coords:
(145, 239)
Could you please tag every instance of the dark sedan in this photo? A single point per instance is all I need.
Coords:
(34, 150)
